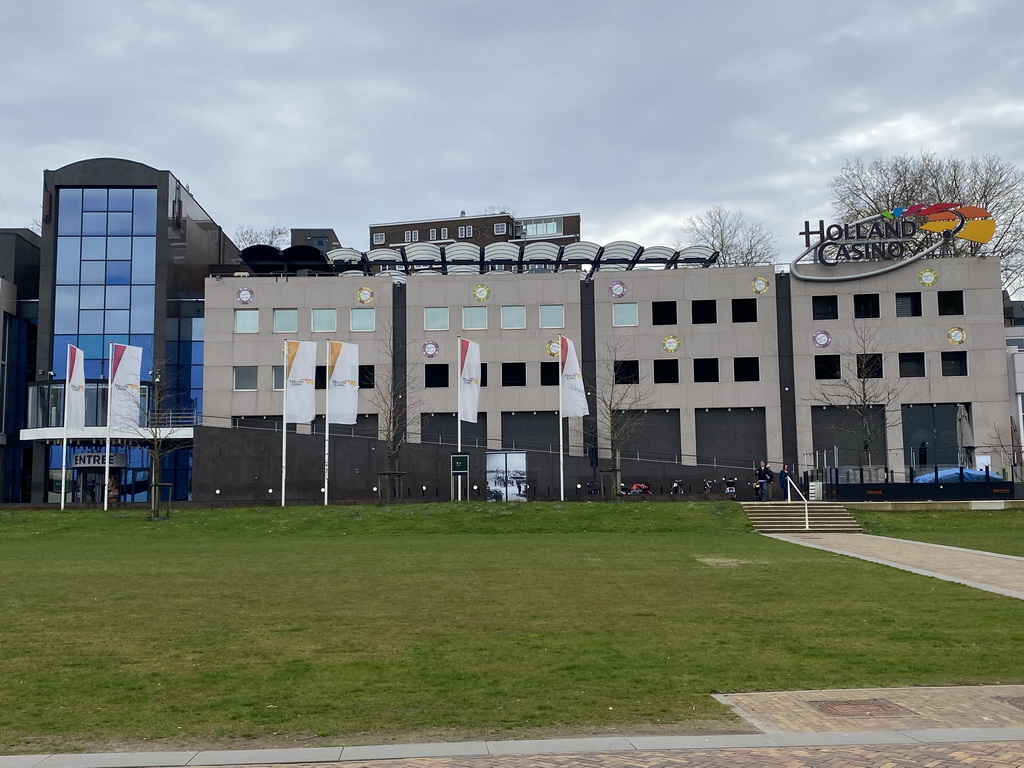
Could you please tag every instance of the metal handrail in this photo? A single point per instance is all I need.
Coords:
(807, 511)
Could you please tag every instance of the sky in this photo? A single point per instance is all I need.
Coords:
(636, 114)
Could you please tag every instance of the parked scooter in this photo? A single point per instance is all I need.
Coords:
(637, 489)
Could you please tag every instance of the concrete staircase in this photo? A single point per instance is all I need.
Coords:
(788, 517)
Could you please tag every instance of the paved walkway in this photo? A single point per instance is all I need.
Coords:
(980, 726)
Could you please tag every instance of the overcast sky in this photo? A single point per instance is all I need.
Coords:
(342, 114)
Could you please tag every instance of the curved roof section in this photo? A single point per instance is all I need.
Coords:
(116, 160)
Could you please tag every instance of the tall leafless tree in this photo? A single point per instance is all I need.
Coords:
(738, 240)
(248, 235)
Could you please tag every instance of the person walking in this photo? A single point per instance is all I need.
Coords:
(764, 477)
(784, 477)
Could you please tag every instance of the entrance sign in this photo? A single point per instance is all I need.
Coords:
(87, 460)
(890, 240)
(460, 463)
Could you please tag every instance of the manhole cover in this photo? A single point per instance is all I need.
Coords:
(1013, 701)
(861, 708)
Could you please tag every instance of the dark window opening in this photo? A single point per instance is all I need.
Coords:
(435, 375)
(825, 307)
(866, 305)
(951, 302)
(367, 377)
(320, 377)
(954, 363)
(869, 366)
(513, 374)
(746, 369)
(908, 304)
(744, 310)
(827, 367)
(549, 374)
(705, 369)
(912, 365)
(627, 371)
(704, 311)
(663, 313)
(666, 371)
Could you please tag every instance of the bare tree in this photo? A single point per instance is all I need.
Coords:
(739, 241)
(860, 389)
(249, 235)
(866, 188)
(621, 396)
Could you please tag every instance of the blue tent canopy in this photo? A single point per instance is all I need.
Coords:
(952, 475)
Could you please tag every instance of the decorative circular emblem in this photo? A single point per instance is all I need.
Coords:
(364, 295)
(671, 344)
(759, 284)
(431, 348)
(553, 348)
(245, 295)
(482, 292)
(928, 277)
(617, 289)
(956, 335)
(821, 339)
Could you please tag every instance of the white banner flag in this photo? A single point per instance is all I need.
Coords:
(125, 394)
(469, 380)
(299, 378)
(74, 395)
(342, 382)
(574, 396)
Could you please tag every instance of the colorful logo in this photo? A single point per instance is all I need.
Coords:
(553, 348)
(431, 348)
(928, 277)
(966, 222)
(617, 289)
(481, 292)
(956, 335)
(245, 295)
(364, 295)
(671, 344)
(759, 285)
(821, 339)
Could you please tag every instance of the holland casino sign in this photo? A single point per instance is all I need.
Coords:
(885, 241)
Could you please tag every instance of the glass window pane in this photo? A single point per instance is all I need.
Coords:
(117, 321)
(119, 223)
(144, 259)
(278, 377)
(94, 200)
(552, 316)
(119, 273)
(286, 321)
(117, 296)
(362, 319)
(324, 320)
(513, 317)
(67, 259)
(94, 224)
(90, 321)
(65, 310)
(119, 200)
(69, 212)
(119, 248)
(142, 308)
(94, 272)
(144, 217)
(247, 321)
(435, 318)
(624, 314)
(92, 347)
(94, 248)
(93, 296)
(474, 318)
(245, 377)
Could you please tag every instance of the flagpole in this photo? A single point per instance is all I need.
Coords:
(106, 462)
(458, 416)
(561, 439)
(327, 422)
(64, 444)
(284, 422)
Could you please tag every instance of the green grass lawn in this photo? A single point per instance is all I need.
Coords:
(349, 624)
(987, 530)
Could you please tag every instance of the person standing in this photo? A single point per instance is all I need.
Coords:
(764, 476)
(784, 477)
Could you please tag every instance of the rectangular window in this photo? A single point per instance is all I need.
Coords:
(513, 317)
(954, 363)
(362, 319)
(827, 367)
(704, 311)
(912, 365)
(278, 376)
(627, 371)
(908, 304)
(469, 231)
(286, 321)
(412, 236)
(552, 316)
(444, 233)
(435, 318)
(367, 377)
(513, 374)
(744, 310)
(435, 375)
(247, 321)
(474, 318)
(408, 236)
(705, 369)
(433, 234)
(746, 369)
(624, 314)
(378, 238)
(483, 375)
(324, 320)
(666, 371)
(663, 313)
(245, 378)
(951, 302)
(869, 366)
(500, 229)
(866, 305)
(825, 307)
(549, 374)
